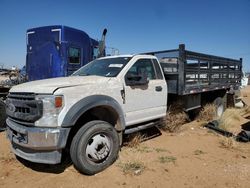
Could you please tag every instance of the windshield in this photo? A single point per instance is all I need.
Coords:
(110, 67)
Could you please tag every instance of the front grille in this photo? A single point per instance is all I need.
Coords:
(23, 110)
(22, 96)
(23, 107)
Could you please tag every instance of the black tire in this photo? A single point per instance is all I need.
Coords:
(219, 104)
(2, 116)
(94, 147)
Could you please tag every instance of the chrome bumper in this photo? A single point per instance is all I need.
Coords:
(41, 145)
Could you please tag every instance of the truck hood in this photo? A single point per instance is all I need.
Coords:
(48, 86)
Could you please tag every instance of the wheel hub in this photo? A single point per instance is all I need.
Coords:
(98, 148)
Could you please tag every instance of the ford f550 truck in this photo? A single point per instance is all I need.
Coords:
(89, 112)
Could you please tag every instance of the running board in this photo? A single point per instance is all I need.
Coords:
(141, 127)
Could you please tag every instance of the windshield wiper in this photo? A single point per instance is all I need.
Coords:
(86, 74)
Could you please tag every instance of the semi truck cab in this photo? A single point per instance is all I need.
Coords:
(56, 51)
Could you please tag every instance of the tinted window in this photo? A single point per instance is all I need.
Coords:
(143, 67)
(74, 55)
(157, 69)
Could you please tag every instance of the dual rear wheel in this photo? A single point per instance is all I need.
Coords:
(219, 105)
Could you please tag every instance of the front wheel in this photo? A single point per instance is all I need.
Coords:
(94, 147)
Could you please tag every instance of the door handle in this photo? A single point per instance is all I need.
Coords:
(158, 88)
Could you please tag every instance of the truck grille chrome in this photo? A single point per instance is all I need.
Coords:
(23, 107)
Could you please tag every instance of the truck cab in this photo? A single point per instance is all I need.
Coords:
(57, 51)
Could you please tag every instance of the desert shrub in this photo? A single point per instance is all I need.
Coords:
(230, 120)
(245, 112)
(132, 167)
(174, 121)
(134, 140)
(228, 143)
(207, 113)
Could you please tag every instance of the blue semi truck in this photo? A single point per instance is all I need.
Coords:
(57, 51)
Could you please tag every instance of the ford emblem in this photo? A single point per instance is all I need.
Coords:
(11, 107)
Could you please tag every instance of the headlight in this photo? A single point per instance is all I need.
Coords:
(52, 106)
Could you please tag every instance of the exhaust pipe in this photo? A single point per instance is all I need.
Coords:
(101, 46)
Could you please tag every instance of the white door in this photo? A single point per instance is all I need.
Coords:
(148, 101)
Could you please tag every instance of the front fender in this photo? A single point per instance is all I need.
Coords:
(87, 103)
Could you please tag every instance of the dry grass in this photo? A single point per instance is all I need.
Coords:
(132, 167)
(174, 121)
(208, 113)
(159, 150)
(175, 117)
(228, 143)
(167, 159)
(134, 140)
(231, 120)
(245, 112)
(199, 152)
(143, 149)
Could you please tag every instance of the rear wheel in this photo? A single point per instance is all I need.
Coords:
(220, 108)
(94, 147)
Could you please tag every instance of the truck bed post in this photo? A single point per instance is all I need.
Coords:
(181, 68)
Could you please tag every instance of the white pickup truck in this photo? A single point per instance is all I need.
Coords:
(89, 112)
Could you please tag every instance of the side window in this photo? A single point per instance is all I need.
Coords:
(143, 67)
(74, 55)
(157, 69)
(95, 52)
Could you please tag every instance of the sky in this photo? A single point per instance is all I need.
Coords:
(217, 27)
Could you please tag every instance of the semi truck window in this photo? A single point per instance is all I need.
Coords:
(95, 52)
(74, 55)
(143, 67)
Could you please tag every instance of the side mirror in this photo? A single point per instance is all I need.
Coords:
(136, 80)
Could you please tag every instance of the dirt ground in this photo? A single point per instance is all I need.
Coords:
(193, 157)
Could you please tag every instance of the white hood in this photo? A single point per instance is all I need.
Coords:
(48, 86)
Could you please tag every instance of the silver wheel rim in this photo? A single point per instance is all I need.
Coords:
(98, 148)
(220, 110)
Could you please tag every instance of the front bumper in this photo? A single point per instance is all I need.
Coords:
(41, 145)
